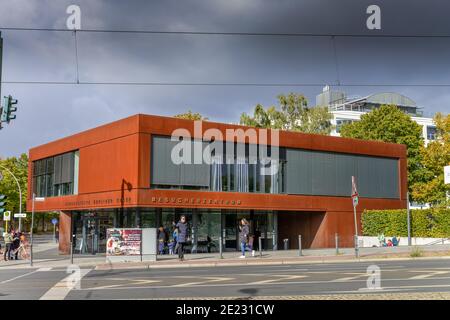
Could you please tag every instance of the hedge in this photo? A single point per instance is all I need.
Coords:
(428, 223)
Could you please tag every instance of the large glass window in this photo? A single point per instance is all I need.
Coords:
(55, 176)
(284, 170)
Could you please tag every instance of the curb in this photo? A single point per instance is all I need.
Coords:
(255, 263)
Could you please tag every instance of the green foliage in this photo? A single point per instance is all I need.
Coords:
(416, 252)
(8, 186)
(292, 114)
(389, 124)
(427, 223)
(435, 156)
(189, 115)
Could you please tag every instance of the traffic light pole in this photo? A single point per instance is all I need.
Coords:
(31, 230)
(20, 194)
(1, 62)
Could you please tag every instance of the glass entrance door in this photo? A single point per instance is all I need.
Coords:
(90, 231)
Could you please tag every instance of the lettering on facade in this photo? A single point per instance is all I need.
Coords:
(97, 202)
(203, 201)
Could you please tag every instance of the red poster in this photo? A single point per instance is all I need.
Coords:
(123, 242)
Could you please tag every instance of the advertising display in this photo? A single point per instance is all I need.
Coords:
(123, 242)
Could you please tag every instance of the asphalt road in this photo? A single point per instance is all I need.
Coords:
(414, 276)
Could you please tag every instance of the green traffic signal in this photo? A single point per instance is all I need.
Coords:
(12, 109)
(8, 109)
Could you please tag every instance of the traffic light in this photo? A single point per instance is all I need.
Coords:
(2, 204)
(8, 109)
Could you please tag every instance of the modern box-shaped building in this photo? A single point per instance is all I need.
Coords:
(146, 171)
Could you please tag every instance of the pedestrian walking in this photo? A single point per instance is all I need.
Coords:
(182, 236)
(243, 235)
(8, 243)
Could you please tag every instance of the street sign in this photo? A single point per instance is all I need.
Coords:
(355, 200)
(7, 216)
(447, 175)
(20, 215)
(54, 221)
(354, 192)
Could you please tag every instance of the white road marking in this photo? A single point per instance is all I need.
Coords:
(25, 275)
(60, 290)
(136, 282)
(279, 277)
(428, 275)
(206, 285)
(208, 280)
(357, 276)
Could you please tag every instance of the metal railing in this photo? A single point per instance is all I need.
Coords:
(440, 241)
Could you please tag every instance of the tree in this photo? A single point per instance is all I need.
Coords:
(435, 156)
(8, 186)
(292, 114)
(389, 124)
(191, 116)
(19, 167)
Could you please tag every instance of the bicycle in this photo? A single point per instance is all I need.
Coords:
(21, 251)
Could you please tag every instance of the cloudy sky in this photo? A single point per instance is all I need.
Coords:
(47, 112)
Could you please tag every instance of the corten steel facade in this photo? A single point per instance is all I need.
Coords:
(114, 174)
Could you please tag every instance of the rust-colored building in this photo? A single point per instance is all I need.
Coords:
(128, 174)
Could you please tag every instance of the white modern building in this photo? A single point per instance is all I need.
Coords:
(346, 110)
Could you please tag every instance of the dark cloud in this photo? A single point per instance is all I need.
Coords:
(50, 112)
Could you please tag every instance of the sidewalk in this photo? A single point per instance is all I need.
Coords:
(45, 257)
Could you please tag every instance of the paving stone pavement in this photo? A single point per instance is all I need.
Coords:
(356, 296)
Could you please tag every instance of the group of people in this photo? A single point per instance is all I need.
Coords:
(12, 241)
(177, 243)
(179, 238)
(394, 242)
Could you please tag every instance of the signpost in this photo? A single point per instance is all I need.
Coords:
(355, 201)
(408, 218)
(54, 222)
(6, 218)
(34, 199)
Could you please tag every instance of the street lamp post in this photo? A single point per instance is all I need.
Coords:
(20, 194)
(38, 199)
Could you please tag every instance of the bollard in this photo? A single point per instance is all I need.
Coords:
(260, 246)
(71, 249)
(336, 239)
(221, 247)
(299, 245)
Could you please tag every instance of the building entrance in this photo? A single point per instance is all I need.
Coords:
(205, 226)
